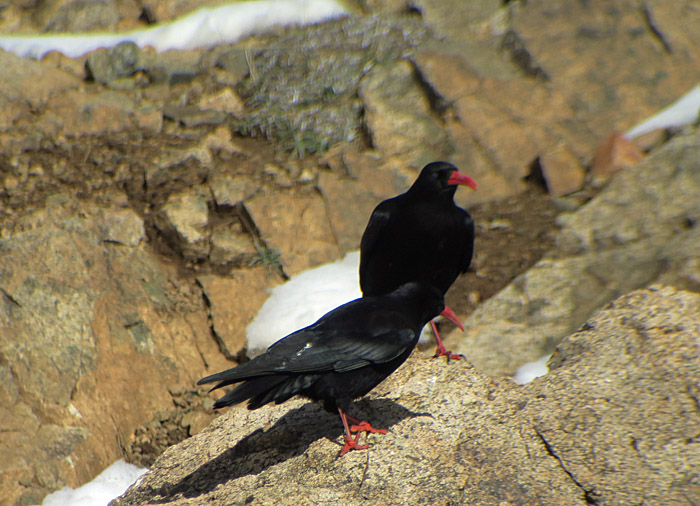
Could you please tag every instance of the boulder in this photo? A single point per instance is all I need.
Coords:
(614, 422)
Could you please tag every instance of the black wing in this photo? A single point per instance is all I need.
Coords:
(377, 225)
(468, 251)
(342, 351)
(347, 340)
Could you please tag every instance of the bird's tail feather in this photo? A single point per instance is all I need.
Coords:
(265, 389)
(248, 371)
(251, 389)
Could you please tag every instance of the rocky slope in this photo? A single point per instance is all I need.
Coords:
(147, 201)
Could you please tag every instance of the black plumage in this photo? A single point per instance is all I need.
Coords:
(341, 357)
(420, 236)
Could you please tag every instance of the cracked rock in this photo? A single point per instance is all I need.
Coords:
(184, 221)
(614, 422)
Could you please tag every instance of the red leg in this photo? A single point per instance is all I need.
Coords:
(441, 350)
(359, 427)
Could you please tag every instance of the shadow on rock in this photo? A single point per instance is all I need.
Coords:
(289, 437)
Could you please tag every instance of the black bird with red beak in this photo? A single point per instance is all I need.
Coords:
(420, 236)
(341, 357)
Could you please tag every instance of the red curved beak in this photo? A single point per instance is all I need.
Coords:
(449, 314)
(461, 179)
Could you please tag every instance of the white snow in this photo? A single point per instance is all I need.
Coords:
(304, 299)
(681, 113)
(530, 371)
(111, 483)
(205, 27)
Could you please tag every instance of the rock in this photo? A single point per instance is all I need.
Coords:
(611, 400)
(484, 114)
(25, 81)
(233, 302)
(184, 222)
(641, 75)
(494, 443)
(187, 164)
(561, 171)
(454, 19)
(123, 226)
(614, 154)
(297, 226)
(81, 15)
(192, 116)
(171, 67)
(92, 330)
(95, 112)
(231, 246)
(235, 62)
(350, 200)
(321, 76)
(225, 100)
(10, 110)
(229, 190)
(394, 127)
(149, 119)
(626, 237)
(220, 141)
(106, 65)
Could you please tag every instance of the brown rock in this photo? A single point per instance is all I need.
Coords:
(229, 190)
(192, 116)
(561, 170)
(614, 70)
(93, 112)
(394, 127)
(27, 81)
(615, 153)
(93, 330)
(231, 246)
(350, 200)
(184, 220)
(225, 100)
(627, 436)
(297, 225)
(608, 404)
(233, 303)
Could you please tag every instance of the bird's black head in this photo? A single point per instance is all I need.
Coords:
(441, 178)
(421, 300)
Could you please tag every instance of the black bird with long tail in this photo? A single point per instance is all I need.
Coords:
(419, 236)
(341, 357)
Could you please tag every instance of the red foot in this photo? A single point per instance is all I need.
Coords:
(441, 351)
(366, 427)
(359, 427)
(351, 444)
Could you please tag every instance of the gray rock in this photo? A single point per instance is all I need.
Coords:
(106, 65)
(172, 67)
(306, 99)
(619, 409)
(638, 230)
(234, 61)
(123, 226)
(615, 422)
(192, 116)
